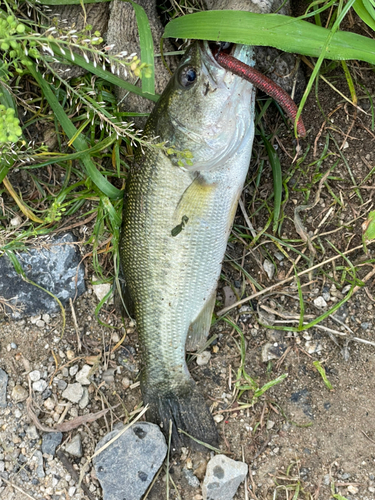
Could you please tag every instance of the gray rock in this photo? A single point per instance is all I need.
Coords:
(320, 303)
(74, 448)
(40, 385)
(73, 392)
(84, 401)
(138, 453)
(32, 432)
(53, 268)
(50, 441)
(190, 478)
(82, 375)
(273, 351)
(269, 268)
(38, 457)
(61, 384)
(223, 477)
(34, 375)
(3, 388)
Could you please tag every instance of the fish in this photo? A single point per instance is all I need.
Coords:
(179, 205)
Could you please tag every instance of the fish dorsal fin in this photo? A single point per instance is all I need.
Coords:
(200, 327)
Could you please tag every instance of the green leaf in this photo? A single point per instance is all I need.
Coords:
(364, 14)
(283, 32)
(369, 227)
(147, 46)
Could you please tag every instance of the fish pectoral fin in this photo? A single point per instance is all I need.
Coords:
(200, 327)
(122, 298)
(194, 199)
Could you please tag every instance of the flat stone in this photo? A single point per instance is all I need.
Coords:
(3, 388)
(74, 448)
(53, 266)
(73, 392)
(19, 393)
(50, 441)
(223, 477)
(82, 375)
(138, 453)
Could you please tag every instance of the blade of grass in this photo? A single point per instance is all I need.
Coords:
(277, 180)
(322, 372)
(21, 205)
(147, 46)
(79, 143)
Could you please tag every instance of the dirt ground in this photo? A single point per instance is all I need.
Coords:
(299, 438)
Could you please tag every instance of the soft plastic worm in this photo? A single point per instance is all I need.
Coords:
(264, 83)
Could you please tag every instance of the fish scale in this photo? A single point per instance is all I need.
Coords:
(171, 275)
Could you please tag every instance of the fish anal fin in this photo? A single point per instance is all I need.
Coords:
(200, 327)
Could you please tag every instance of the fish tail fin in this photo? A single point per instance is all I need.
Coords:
(186, 408)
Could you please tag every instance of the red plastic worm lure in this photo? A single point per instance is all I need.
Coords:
(264, 83)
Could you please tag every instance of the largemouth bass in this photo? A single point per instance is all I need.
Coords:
(176, 223)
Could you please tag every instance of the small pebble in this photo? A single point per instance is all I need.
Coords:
(353, 490)
(49, 404)
(218, 418)
(320, 302)
(83, 374)
(73, 370)
(34, 375)
(270, 424)
(19, 393)
(203, 358)
(73, 393)
(74, 448)
(125, 382)
(16, 221)
(84, 401)
(13, 345)
(39, 385)
(269, 268)
(70, 354)
(40, 323)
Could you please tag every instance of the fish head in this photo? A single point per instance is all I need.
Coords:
(205, 109)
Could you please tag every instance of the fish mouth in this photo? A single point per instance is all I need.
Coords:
(212, 49)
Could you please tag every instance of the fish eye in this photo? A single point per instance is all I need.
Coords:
(187, 76)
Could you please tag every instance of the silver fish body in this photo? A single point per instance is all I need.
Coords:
(176, 224)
